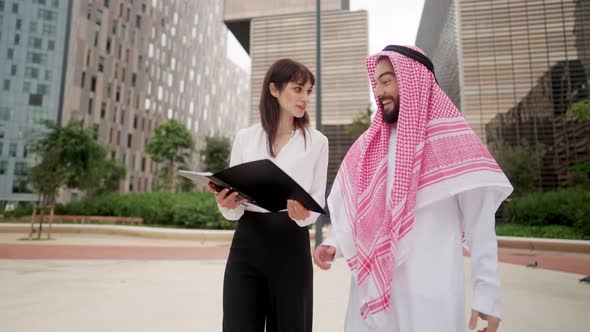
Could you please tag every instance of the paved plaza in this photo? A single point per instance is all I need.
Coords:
(120, 283)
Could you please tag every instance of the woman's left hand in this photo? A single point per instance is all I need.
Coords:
(296, 210)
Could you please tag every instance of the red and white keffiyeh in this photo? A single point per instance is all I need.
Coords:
(437, 155)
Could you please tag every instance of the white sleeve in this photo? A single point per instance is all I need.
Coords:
(340, 236)
(318, 187)
(235, 159)
(478, 208)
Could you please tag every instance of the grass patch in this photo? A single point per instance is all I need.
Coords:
(43, 238)
(548, 232)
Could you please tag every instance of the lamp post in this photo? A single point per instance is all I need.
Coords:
(318, 103)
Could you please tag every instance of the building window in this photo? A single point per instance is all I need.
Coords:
(12, 150)
(6, 85)
(43, 89)
(3, 167)
(35, 42)
(107, 3)
(96, 39)
(129, 140)
(47, 15)
(108, 45)
(33, 27)
(48, 75)
(98, 17)
(93, 84)
(22, 178)
(5, 115)
(16, 39)
(31, 72)
(114, 115)
(51, 45)
(36, 58)
(131, 183)
(10, 54)
(49, 30)
(1, 6)
(83, 79)
(15, 8)
(135, 122)
(36, 99)
(103, 110)
(27, 87)
(90, 106)
(101, 64)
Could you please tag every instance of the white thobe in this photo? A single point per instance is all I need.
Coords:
(428, 287)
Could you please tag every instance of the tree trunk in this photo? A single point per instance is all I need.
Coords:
(41, 213)
(172, 175)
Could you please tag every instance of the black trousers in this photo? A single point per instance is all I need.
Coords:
(269, 276)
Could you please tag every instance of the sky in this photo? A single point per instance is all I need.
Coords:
(390, 22)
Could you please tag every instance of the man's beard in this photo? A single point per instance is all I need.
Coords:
(390, 117)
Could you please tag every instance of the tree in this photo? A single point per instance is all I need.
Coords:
(72, 156)
(171, 144)
(580, 110)
(522, 165)
(360, 123)
(215, 155)
(579, 176)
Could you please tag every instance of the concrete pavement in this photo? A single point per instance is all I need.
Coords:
(185, 295)
(98, 282)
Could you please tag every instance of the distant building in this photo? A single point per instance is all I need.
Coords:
(514, 68)
(124, 65)
(271, 30)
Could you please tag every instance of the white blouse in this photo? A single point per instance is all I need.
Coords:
(304, 160)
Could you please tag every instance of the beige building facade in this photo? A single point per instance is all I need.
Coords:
(136, 64)
(271, 30)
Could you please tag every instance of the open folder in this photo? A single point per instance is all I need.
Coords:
(261, 182)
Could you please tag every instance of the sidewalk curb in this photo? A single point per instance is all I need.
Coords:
(572, 246)
(148, 232)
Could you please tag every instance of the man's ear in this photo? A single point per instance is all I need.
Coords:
(274, 91)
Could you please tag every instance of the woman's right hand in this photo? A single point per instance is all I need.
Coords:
(224, 200)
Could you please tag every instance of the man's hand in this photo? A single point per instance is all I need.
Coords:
(323, 256)
(225, 200)
(296, 210)
(493, 322)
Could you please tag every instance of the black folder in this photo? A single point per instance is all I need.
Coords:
(261, 182)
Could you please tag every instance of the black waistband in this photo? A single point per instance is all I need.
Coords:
(273, 229)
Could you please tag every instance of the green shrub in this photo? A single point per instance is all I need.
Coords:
(565, 207)
(186, 210)
(550, 231)
(22, 210)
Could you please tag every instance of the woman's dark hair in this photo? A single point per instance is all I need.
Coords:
(280, 73)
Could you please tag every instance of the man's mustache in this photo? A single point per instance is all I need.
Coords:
(381, 100)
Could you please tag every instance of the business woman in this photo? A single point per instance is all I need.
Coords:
(268, 277)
